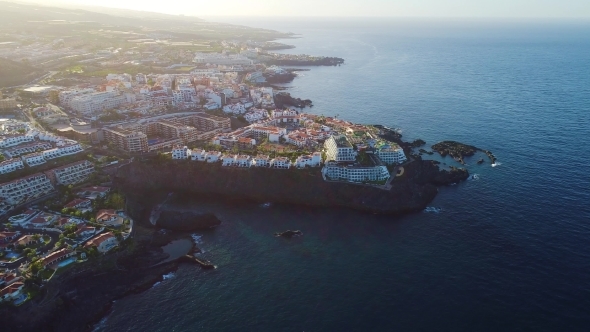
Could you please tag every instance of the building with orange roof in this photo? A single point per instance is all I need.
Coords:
(103, 242)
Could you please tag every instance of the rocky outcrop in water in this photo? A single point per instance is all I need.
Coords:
(283, 99)
(289, 234)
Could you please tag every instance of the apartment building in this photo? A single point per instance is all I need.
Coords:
(338, 148)
(7, 103)
(51, 154)
(15, 139)
(24, 189)
(354, 173)
(27, 148)
(390, 154)
(34, 159)
(97, 101)
(72, 173)
(11, 165)
(126, 140)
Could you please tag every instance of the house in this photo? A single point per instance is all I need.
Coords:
(79, 204)
(103, 242)
(181, 152)
(109, 217)
(243, 161)
(23, 217)
(7, 237)
(261, 161)
(228, 160)
(312, 160)
(198, 155)
(26, 240)
(11, 292)
(213, 156)
(57, 256)
(94, 192)
(42, 220)
(280, 162)
(84, 231)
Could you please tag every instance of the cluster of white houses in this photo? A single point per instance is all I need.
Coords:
(37, 150)
(39, 184)
(245, 161)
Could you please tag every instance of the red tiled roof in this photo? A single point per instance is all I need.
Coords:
(11, 289)
(96, 241)
(76, 202)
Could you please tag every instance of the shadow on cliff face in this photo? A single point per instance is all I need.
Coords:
(410, 193)
(140, 207)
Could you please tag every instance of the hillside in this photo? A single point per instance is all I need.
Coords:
(15, 73)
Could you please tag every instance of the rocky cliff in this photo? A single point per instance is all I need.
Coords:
(410, 192)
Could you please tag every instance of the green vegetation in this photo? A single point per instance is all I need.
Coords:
(111, 115)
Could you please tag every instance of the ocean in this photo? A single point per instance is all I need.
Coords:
(509, 251)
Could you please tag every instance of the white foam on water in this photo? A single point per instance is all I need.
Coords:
(156, 284)
(496, 164)
(196, 238)
(432, 209)
(168, 276)
(473, 177)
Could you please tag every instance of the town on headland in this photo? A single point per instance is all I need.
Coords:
(95, 138)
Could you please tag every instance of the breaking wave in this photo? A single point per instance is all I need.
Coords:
(432, 209)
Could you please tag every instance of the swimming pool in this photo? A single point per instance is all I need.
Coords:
(66, 262)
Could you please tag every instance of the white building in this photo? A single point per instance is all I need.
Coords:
(313, 160)
(212, 156)
(280, 162)
(261, 161)
(51, 154)
(338, 148)
(391, 154)
(354, 173)
(72, 173)
(34, 159)
(26, 148)
(10, 165)
(243, 161)
(198, 155)
(181, 152)
(228, 160)
(234, 109)
(70, 148)
(24, 189)
(11, 140)
(221, 59)
(97, 101)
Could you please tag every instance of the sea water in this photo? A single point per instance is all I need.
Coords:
(508, 252)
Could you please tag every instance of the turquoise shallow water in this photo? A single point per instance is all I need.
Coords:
(509, 251)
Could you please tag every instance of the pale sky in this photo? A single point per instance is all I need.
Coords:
(404, 8)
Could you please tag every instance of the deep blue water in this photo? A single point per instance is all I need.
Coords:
(508, 252)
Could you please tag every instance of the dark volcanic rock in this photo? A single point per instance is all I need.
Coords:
(409, 193)
(186, 220)
(283, 99)
(289, 234)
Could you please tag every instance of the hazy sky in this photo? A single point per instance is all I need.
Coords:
(428, 8)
